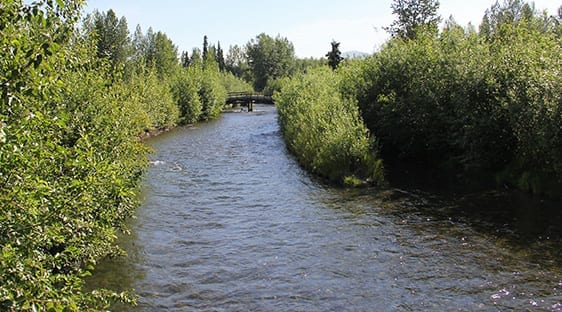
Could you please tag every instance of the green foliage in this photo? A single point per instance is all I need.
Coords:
(201, 92)
(70, 154)
(470, 102)
(334, 56)
(236, 62)
(153, 100)
(111, 36)
(270, 58)
(212, 94)
(414, 16)
(306, 64)
(155, 50)
(186, 92)
(232, 83)
(324, 130)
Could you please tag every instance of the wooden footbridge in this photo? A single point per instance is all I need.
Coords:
(248, 99)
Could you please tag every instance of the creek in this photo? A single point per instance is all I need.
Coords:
(230, 222)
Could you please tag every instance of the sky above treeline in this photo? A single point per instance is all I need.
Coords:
(309, 24)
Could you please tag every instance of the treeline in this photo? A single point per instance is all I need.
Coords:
(484, 103)
(76, 97)
(184, 91)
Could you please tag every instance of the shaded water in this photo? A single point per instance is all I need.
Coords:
(231, 223)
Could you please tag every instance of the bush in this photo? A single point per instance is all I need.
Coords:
(464, 102)
(324, 130)
(155, 100)
(212, 94)
(71, 161)
(232, 83)
(185, 87)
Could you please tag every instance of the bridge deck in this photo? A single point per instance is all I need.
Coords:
(248, 97)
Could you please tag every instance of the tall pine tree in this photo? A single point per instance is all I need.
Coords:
(205, 48)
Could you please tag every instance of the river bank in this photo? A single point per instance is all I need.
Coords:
(230, 221)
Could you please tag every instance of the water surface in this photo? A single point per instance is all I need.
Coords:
(231, 223)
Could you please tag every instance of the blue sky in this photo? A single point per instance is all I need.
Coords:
(309, 24)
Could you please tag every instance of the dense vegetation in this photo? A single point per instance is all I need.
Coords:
(324, 129)
(77, 98)
(74, 104)
(485, 103)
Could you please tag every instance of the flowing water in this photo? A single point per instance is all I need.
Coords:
(229, 222)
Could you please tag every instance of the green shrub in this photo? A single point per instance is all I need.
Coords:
(232, 83)
(324, 130)
(212, 94)
(155, 100)
(469, 103)
(186, 91)
(71, 161)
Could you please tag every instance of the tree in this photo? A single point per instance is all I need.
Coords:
(162, 54)
(139, 44)
(185, 61)
(196, 58)
(111, 37)
(334, 56)
(511, 12)
(220, 57)
(205, 48)
(414, 15)
(270, 58)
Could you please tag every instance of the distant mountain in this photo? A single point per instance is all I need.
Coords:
(354, 54)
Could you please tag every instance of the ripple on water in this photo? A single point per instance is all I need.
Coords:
(242, 228)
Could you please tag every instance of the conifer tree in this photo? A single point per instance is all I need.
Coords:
(334, 56)
(220, 57)
(185, 59)
(205, 48)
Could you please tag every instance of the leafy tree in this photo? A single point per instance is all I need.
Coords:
(413, 15)
(162, 53)
(334, 56)
(70, 159)
(270, 58)
(196, 58)
(139, 45)
(111, 36)
(186, 86)
(459, 102)
(236, 63)
(511, 12)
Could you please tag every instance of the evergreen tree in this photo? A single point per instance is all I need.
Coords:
(185, 59)
(205, 48)
(413, 15)
(334, 56)
(220, 57)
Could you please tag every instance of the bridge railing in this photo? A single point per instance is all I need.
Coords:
(243, 94)
(248, 96)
